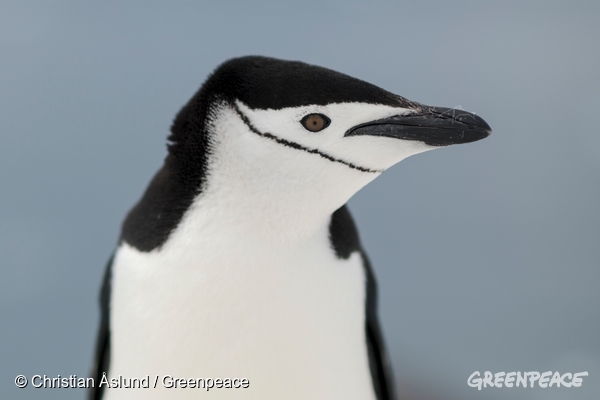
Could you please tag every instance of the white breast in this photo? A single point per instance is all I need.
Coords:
(291, 321)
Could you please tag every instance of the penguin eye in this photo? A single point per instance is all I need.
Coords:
(315, 122)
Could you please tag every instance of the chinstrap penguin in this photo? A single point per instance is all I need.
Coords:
(241, 259)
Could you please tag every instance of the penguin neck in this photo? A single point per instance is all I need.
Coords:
(245, 215)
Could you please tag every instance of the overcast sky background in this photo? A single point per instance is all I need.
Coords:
(487, 254)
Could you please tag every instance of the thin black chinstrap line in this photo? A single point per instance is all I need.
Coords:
(297, 146)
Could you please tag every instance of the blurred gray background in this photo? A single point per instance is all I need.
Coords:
(487, 254)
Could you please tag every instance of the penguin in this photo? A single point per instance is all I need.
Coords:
(241, 261)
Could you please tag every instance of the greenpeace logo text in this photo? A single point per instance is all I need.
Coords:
(516, 379)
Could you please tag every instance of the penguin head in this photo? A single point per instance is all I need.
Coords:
(288, 129)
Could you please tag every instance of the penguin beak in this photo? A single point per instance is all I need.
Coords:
(435, 126)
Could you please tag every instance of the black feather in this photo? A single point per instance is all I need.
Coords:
(102, 358)
(345, 241)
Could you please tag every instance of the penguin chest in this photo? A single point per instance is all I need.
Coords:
(291, 322)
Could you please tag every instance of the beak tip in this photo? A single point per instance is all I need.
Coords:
(477, 126)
